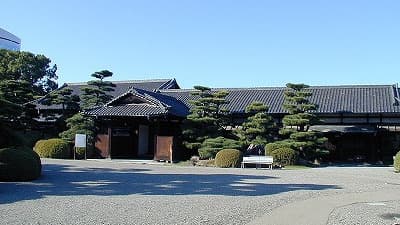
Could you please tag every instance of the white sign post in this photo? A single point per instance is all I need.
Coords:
(80, 142)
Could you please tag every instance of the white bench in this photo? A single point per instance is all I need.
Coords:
(258, 160)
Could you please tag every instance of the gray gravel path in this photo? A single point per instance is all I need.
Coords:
(109, 192)
(367, 213)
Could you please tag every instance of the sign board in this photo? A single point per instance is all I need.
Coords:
(80, 140)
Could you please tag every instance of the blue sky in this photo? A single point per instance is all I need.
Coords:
(217, 43)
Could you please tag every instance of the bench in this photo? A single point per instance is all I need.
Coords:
(258, 160)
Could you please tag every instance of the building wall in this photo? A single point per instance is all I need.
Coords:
(9, 41)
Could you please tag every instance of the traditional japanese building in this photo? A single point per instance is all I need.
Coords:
(120, 87)
(361, 121)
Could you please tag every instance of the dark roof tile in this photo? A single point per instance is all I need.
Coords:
(120, 88)
(330, 99)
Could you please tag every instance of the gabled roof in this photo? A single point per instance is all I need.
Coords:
(330, 99)
(133, 103)
(120, 88)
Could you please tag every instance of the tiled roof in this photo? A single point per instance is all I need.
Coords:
(132, 110)
(120, 88)
(330, 99)
(151, 104)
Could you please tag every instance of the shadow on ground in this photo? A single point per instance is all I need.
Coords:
(65, 180)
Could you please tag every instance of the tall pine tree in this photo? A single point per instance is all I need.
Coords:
(64, 97)
(259, 128)
(296, 125)
(206, 118)
(23, 77)
(96, 92)
(27, 70)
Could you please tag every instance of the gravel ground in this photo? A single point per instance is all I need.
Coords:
(367, 213)
(112, 192)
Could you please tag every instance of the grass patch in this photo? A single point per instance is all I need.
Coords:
(296, 167)
(182, 163)
(202, 163)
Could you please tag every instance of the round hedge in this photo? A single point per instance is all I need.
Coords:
(19, 165)
(53, 148)
(396, 163)
(270, 147)
(284, 156)
(228, 158)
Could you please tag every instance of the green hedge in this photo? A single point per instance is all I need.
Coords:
(284, 156)
(269, 148)
(396, 163)
(228, 158)
(210, 147)
(19, 165)
(53, 148)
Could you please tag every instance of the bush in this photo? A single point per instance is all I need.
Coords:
(396, 163)
(269, 148)
(208, 153)
(19, 164)
(228, 158)
(284, 156)
(53, 148)
(210, 147)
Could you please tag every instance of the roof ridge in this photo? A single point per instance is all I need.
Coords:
(125, 81)
(353, 86)
(280, 88)
(139, 93)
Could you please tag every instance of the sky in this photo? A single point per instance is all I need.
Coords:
(216, 43)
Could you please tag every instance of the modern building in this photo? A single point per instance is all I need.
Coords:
(362, 122)
(9, 41)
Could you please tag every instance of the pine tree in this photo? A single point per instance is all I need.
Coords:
(78, 124)
(93, 95)
(259, 128)
(96, 92)
(296, 125)
(18, 92)
(65, 98)
(206, 118)
(29, 70)
(9, 112)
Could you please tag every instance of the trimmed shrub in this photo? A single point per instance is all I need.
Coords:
(284, 156)
(228, 158)
(53, 148)
(269, 148)
(19, 165)
(396, 163)
(210, 147)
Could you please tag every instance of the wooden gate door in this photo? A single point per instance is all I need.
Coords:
(102, 144)
(164, 148)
